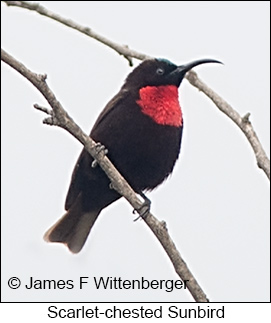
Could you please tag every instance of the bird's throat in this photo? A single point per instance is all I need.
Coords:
(161, 104)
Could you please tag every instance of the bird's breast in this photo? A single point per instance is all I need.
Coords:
(161, 104)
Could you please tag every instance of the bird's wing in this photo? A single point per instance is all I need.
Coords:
(83, 172)
(110, 107)
(77, 179)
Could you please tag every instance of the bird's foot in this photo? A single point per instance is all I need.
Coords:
(144, 209)
(99, 149)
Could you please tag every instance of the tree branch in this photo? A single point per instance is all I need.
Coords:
(243, 123)
(59, 117)
(122, 50)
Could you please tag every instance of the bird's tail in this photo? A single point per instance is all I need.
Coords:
(73, 228)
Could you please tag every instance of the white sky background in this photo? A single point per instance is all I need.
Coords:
(216, 204)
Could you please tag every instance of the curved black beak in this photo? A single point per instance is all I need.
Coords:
(179, 73)
(187, 67)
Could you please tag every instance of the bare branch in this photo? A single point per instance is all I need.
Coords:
(243, 123)
(122, 50)
(59, 117)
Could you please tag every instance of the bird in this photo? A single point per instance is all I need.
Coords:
(141, 130)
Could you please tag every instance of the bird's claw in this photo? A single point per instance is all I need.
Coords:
(144, 209)
(99, 149)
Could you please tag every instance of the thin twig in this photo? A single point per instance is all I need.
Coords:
(122, 50)
(59, 117)
(242, 122)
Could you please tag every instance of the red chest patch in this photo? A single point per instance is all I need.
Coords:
(161, 104)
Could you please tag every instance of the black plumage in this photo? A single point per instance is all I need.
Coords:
(142, 129)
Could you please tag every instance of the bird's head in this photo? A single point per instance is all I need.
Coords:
(157, 71)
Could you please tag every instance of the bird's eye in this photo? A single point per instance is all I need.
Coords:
(160, 71)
